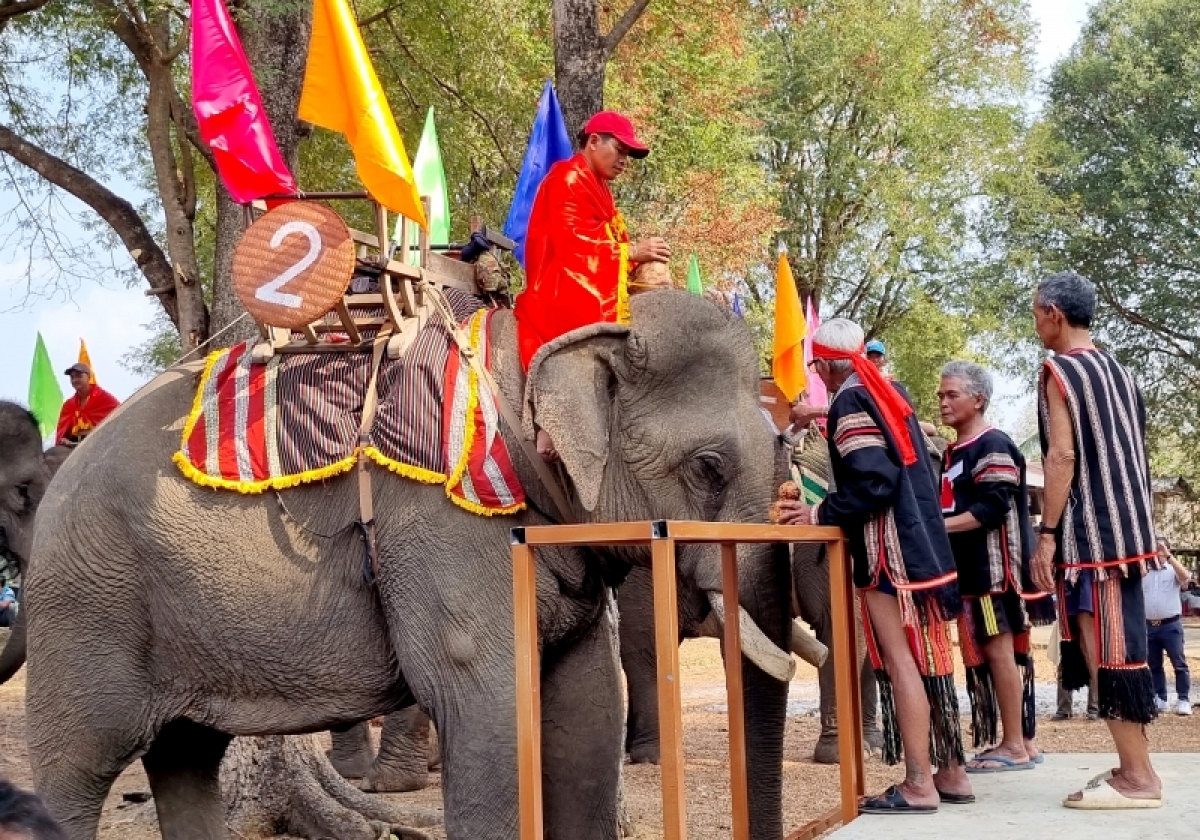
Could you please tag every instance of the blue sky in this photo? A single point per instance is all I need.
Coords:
(111, 318)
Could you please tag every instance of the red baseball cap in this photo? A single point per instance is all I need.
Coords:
(610, 122)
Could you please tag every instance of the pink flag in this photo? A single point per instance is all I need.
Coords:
(229, 109)
(817, 395)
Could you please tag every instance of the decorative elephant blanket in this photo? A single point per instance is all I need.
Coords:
(295, 419)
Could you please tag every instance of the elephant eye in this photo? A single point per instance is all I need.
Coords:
(711, 467)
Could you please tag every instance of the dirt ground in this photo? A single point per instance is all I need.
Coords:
(809, 789)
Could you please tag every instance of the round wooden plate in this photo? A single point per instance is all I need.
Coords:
(293, 264)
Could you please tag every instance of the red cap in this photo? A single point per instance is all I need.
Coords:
(610, 122)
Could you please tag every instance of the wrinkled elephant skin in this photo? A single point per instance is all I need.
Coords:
(237, 614)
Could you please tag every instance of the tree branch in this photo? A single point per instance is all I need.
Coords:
(10, 9)
(621, 28)
(116, 211)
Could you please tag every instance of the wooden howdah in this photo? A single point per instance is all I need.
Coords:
(294, 266)
(663, 537)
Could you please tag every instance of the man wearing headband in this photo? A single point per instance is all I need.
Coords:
(578, 257)
(887, 502)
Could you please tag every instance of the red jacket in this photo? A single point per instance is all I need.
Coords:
(77, 417)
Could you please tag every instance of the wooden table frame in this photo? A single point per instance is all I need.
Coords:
(662, 537)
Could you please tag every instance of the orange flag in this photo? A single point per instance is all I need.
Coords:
(342, 93)
(85, 359)
(787, 359)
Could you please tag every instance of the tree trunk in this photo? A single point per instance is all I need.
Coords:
(581, 55)
(276, 44)
(285, 785)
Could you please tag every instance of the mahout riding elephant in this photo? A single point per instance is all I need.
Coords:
(211, 614)
(810, 592)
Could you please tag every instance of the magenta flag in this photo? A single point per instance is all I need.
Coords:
(229, 109)
(817, 394)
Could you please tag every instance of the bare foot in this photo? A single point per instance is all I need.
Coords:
(986, 760)
(953, 780)
(545, 447)
(1032, 750)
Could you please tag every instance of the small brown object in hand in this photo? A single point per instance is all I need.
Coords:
(789, 491)
(775, 512)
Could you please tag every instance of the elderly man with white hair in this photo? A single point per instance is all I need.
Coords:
(887, 502)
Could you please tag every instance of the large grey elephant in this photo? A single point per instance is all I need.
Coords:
(810, 589)
(165, 618)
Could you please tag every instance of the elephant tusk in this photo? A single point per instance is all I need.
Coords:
(807, 646)
(755, 645)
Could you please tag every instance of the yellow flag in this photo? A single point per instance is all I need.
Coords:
(787, 360)
(85, 359)
(342, 93)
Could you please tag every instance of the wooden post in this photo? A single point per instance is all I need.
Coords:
(424, 236)
(845, 669)
(381, 233)
(670, 720)
(738, 788)
(529, 701)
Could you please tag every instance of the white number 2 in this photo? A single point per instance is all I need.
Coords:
(269, 292)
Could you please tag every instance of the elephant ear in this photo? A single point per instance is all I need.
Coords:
(568, 392)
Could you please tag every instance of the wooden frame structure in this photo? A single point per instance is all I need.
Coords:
(400, 288)
(662, 537)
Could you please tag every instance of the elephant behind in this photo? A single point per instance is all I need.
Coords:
(251, 615)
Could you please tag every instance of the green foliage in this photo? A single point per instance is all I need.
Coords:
(919, 345)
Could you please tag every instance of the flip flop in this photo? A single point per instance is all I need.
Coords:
(1006, 764)
(892, 801)
(956, 798)
(1039, 758)
(1099, 795)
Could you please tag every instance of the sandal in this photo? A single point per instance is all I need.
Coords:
(1099, 795)
(956, 798)
(892, 801)
(1006, 764)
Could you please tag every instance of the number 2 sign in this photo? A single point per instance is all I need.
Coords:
(293, 264)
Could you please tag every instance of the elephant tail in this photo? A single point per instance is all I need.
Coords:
(13, 655)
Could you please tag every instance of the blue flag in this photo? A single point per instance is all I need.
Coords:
(548, 144)
(737, 306)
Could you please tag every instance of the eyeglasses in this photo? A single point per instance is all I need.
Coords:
(813, 362)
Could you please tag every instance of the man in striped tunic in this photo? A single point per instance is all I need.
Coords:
(1097, 534)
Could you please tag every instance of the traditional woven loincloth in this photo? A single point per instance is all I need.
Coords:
(295, 419)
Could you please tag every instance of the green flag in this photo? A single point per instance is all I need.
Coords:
(45, 395)
(695, 284)
(431, 181)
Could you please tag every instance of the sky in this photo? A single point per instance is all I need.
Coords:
(112, 319)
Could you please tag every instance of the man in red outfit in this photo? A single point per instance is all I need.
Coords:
(578, 257)
(83, 411)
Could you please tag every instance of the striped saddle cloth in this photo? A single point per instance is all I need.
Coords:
(256, 427)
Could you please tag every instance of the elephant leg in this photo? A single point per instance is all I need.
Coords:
(403, 760)
(581, 737)
(183, 766)
(74, 792)
(635, 603)
(351, 753)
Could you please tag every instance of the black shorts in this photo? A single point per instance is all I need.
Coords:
(988, 616)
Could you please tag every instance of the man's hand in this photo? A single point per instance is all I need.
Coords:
(801, 415)
(653, 249)
(794, 513)
(1042, 566)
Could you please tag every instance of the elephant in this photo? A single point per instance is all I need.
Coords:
(214, 614)
(810, 591)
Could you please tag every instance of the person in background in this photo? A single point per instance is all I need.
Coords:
(84, 410)
(1096, 540)
(985, 502)
(886, 501)
(1164, 629)
(877, 355)
(8, 604)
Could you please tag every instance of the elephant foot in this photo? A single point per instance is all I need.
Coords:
(826, 751)
(873, 741)
(288, 782)
(352, 752)
(644, 753)
(389, 780)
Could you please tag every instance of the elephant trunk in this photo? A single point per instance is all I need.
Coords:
(756, 646)
(13, 656)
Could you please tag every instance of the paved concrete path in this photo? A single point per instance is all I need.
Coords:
(1027, 805)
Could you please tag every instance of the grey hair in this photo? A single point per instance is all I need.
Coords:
(840, 334)
(1072, 294)
(976, 379)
